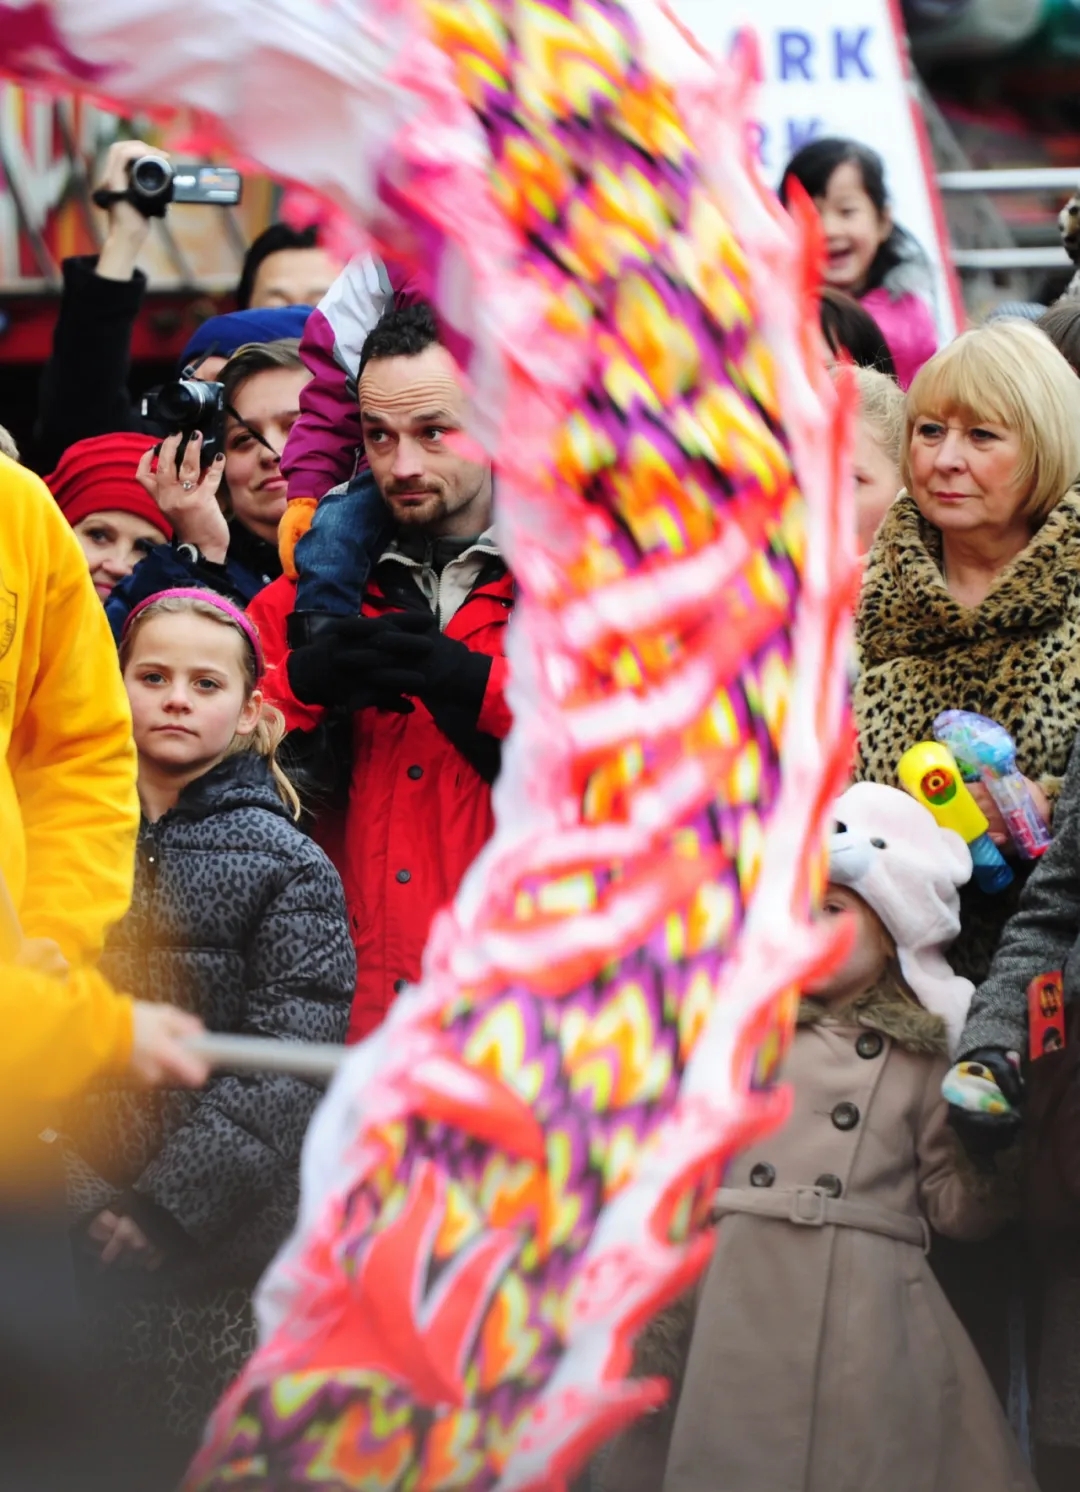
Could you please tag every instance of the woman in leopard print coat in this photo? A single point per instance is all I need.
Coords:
(971, 598)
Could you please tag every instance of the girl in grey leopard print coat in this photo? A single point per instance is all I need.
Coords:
(180, 1199)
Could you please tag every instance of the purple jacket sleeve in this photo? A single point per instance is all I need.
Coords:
(325, 446)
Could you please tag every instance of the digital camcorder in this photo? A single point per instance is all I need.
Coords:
(154, 183)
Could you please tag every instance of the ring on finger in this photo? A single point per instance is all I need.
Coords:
(188, 486)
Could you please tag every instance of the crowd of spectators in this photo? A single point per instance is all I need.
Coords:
(252, 707)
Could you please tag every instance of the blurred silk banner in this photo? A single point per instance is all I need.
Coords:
(515, 1172)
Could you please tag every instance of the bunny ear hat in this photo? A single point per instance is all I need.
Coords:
(891, 851)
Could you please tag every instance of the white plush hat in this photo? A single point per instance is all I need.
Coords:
(891, 851)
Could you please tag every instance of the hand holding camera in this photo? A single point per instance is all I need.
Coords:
(128, 227)
(188, 494)
(138, 184)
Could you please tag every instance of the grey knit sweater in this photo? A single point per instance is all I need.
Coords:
(1042, 936)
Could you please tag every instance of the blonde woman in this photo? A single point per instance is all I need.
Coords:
(971, 598)
(879, 442)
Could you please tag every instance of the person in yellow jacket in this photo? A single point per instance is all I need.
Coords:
(69, 812)
(62, 1031)
(69, 815)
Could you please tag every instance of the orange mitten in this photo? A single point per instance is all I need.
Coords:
(295, 522)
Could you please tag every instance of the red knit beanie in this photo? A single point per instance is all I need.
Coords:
(98, 476)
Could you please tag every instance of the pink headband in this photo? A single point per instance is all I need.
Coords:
(219, 603)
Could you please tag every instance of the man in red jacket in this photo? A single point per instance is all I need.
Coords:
(421, 668)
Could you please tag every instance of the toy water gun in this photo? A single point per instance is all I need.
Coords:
(929, 773)
(984, 752)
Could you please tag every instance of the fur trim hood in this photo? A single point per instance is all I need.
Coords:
(887, 1010)
(912, 276)
(906, 610)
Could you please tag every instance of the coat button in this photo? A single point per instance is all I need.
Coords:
(831, 1185)
(414, 772)
(399, 985)
(763, 1174)
(870, 1044)
(845, 1116)
(403, 876)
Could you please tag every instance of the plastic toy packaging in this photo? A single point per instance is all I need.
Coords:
(985, 753)
(930, 774)
(971, 1086)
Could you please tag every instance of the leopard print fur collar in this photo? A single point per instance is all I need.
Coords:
(905, 609)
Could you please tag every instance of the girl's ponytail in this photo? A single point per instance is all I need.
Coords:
(264, 741)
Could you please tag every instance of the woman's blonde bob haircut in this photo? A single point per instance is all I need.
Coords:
(1011, 374)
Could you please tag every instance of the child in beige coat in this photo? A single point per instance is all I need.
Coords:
(819, 1354)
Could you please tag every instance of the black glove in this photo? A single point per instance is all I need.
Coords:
(452, 672)
(455, 681)
(981, 1133)
(362, 662)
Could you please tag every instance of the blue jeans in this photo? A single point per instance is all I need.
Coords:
(335, 557)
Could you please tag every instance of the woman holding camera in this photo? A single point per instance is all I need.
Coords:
(84, 388)
(227, 546)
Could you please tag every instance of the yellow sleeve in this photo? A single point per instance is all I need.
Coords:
(71, 756)
(59, 1034)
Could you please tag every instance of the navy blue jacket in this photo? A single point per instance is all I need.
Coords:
(250, 564)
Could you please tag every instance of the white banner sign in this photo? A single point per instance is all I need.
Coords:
(834, 67)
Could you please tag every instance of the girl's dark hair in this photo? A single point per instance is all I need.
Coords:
(849, 327)
(814, 164)
(1061, 323)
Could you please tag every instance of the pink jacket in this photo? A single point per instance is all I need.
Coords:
(325, 445)
(906, 324)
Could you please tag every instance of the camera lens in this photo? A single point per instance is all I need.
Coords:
(179, 404)
(150, 176)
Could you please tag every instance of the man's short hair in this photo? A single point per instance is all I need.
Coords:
(403, 332)
(272, 240)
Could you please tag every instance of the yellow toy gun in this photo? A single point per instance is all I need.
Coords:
(929, 773)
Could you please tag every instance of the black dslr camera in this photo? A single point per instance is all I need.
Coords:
(188, 405)
(154, 183)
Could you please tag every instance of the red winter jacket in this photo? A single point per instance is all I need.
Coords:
(418, 810)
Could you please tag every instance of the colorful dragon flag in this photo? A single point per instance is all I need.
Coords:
(515, 1172)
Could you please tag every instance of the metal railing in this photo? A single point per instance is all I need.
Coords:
(1018, 258)
(1014, 179)
(1018, 179)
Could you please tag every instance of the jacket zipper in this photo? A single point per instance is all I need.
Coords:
(150, 849)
